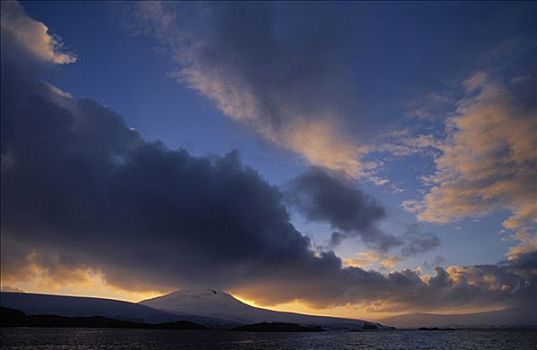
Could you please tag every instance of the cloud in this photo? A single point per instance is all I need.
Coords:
(369, 258)
(328, 197)
(436, 262)
(321, 196)
(402, 143)
(505, 284)
(77, 181)
(430, 106)
(30, 35)
(420, 243)
(527, 244)
(82, 192)
(488, 160)
(5, 288)
(254, 70)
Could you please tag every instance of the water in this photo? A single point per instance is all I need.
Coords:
(142, 339)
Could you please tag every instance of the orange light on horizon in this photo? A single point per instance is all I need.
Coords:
(92, 284)
(81, 282)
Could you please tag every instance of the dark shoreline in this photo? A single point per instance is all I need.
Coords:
(10, 318)
(16, 318)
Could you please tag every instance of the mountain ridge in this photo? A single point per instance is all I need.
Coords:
(74, 306)
(211, 308)
(510, 317)
(219, 304)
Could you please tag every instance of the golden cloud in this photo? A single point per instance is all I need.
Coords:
(488, 160)
(34, 277)
(368, 258)
(32, 35)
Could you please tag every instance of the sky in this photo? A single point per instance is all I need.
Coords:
(384, 151)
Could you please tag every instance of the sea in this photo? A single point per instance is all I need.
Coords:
(143, 339)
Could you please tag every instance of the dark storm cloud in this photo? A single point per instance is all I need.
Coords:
(507, 284)
(79, 188)
(328, 197)
(76, 182)
(321, 196)
(82, 190)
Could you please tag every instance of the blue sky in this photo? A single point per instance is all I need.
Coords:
(370, 92)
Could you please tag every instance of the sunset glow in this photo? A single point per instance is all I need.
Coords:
(348, 159)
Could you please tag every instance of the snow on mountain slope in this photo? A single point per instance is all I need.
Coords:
(204, 306)
(43, 304)
(218, 304)
(69, 306)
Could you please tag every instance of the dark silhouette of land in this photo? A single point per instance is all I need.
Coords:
(278, 327)
(429, 329)
(368, 326)
(16, 318)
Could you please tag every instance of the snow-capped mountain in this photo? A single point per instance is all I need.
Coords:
(70, 306)
(207, 307)
(221, 305)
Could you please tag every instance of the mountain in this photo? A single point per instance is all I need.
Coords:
(207, 307)
(67, 306)
(221, 305)
(513, 317)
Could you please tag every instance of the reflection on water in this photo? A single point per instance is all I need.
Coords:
(115, 339)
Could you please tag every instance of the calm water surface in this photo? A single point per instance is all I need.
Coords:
(115, 339)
